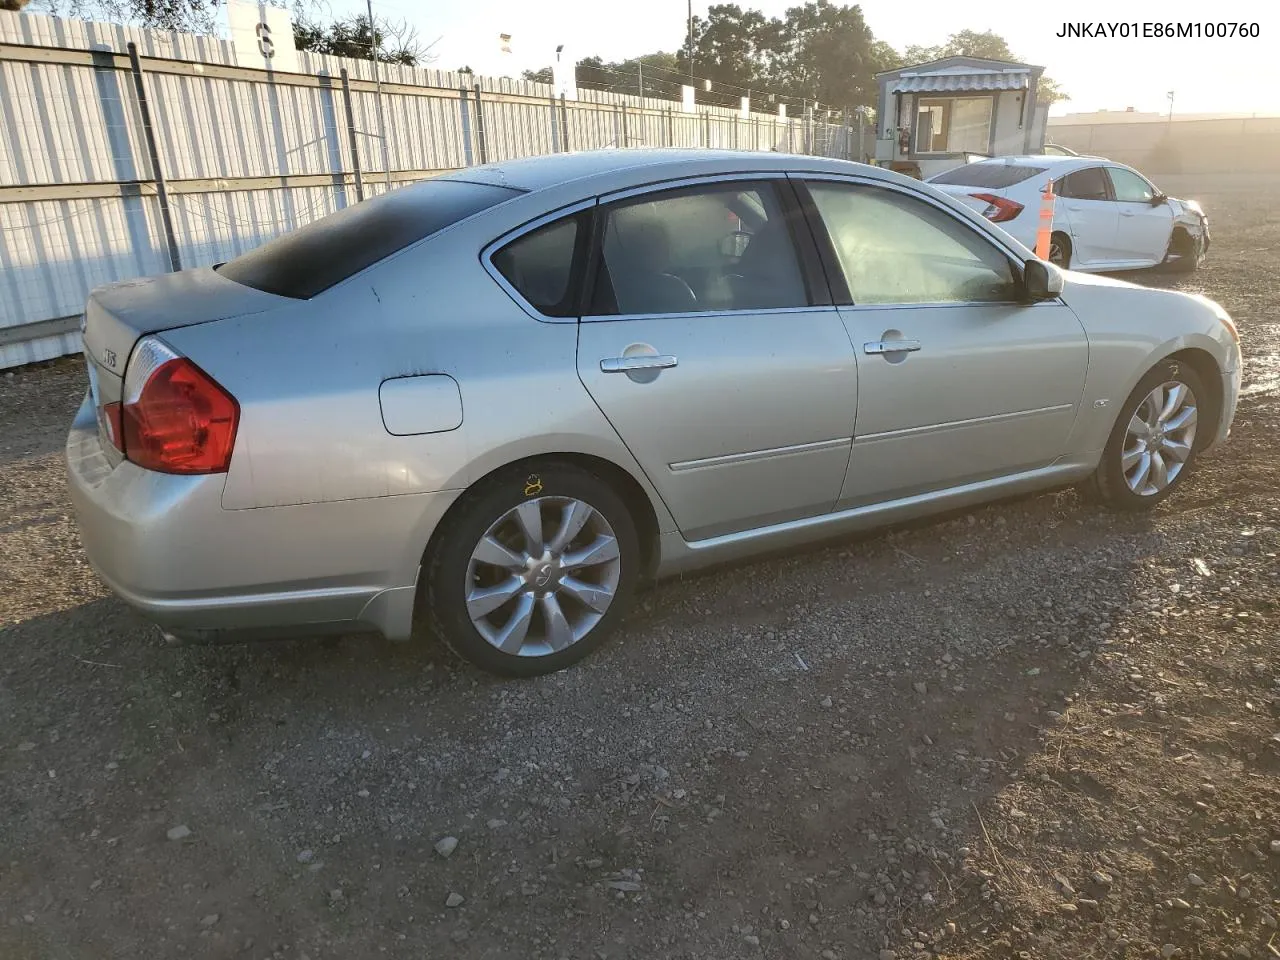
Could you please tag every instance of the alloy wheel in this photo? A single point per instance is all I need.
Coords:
(542, 576)
(1159, 439)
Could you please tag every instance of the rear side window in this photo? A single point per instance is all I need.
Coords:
(993, 176)
(1090, 184)
(539, 265)
(310, 260)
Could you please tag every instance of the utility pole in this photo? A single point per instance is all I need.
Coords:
(640, 67)
(377, 83)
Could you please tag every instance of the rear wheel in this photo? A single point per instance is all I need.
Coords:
(1153, 444)
(1060, 250)
(533, 570)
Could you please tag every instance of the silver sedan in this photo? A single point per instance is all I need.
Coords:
(494, 402)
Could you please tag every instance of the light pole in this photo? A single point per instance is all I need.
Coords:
(1170, 96)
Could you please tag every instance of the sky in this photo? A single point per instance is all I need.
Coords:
(1231, 75)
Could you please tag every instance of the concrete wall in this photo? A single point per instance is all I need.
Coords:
(1247, 145)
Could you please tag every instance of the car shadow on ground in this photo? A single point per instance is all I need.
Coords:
(776, 751)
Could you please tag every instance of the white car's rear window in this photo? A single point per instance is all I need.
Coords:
(993, 176)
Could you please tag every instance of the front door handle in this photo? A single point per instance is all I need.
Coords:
(891, 346)
(1126, 213)
(642, 362)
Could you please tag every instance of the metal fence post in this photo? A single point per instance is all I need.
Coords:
(153, 152)
(351, 134)
(482, 138)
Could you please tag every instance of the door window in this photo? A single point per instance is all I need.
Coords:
(718, 248)
(953, 125)
(1130, 187)
(1089, 184)
(894, 248)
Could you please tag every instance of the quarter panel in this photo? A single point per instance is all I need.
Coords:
(308, 377)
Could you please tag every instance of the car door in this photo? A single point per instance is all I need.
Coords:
(958, 380)
(710, 349)
(1144, 227)
(1089, 215)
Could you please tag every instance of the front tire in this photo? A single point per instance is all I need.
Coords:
(1152, 446)
(1060, 250)
(1187, 253)
(532, 570)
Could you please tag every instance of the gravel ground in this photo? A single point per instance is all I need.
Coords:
(1032, 730)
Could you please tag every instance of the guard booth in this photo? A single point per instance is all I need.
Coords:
(938, 115)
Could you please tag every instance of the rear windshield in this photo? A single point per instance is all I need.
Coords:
(993, 176)
(312, 259)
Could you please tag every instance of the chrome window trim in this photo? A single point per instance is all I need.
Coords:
(695, 314)
(976, 229)
(680, 183)
(486, 256)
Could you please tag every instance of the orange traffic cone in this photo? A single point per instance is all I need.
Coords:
(1045, 231)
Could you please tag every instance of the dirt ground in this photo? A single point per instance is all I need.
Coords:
(1033, 730)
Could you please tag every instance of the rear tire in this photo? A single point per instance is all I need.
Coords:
(532, 570)
(1155, 432)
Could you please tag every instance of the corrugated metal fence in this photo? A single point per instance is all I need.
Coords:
(246, 154)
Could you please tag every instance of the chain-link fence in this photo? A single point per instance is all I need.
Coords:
(128, 152)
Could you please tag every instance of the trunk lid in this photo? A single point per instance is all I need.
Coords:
(118, 315)
(966, 194)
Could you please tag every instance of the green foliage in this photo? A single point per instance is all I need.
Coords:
(395, 43)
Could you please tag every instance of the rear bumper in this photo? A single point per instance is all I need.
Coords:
(166, 546)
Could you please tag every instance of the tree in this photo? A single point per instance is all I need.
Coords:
(395, 42)
(193, 16)
(623, 76)
(826, 53)
(731, 46)
(14, 5)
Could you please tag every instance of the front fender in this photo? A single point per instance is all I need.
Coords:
(1130, 330)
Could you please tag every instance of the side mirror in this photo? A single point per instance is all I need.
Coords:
(735, 244)
(1159, 199)
(1041, 280)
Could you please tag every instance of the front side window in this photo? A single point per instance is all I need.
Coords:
(1089, 184)
(539, 265)
(720, 247)
(1130, 187)
(953, 125)
(893, 249)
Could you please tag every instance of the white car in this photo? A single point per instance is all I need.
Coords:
(1106, 216)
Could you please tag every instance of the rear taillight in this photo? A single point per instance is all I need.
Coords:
(175, 417)
(999, 209)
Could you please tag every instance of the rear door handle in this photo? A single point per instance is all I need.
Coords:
(891, 346)
(644, 362)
